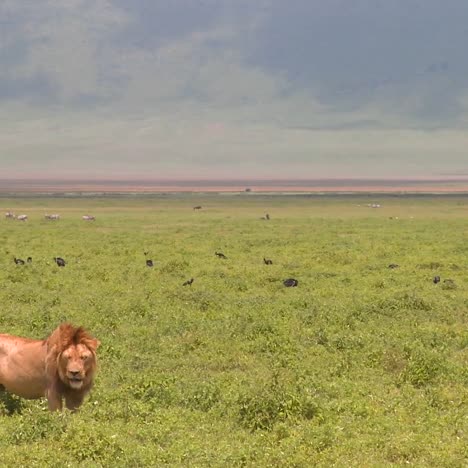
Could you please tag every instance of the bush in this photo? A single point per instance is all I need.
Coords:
(422, 368)
(276, 402)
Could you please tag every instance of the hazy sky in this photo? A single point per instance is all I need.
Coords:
(233, 88)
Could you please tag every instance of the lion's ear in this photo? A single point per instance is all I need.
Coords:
(94, 344)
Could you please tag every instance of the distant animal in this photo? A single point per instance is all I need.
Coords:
(88, 218)
(29, 259)
(149, 263)
(60, 261)
(198, 207)
(267, 261)
(10, 215)
(52, 216)
(436, 279)
(22, 217)
(267, 216)
(18, 261)
(393, 265)
(220, 255)
(290, 282)
(59, 367)
(188, 282)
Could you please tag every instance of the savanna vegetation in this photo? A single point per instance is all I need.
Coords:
(359, 365)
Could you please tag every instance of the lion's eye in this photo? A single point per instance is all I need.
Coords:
(84, 357)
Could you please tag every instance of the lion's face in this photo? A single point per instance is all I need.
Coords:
(76, 365)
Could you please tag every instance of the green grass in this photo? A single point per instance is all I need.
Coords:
(360, 365)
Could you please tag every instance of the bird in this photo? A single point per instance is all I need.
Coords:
(436, 279)
(290, 282)
(393, 265)
(149, 263)
(18, 261)
(188, 282)
(267, 261)
(220, 255)
(60, 261)
(29, 259)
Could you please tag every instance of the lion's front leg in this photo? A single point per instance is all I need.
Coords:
(54, 399)
(73, 400)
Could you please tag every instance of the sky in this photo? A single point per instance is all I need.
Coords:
(199, 89)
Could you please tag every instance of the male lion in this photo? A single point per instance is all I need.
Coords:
(61, 366)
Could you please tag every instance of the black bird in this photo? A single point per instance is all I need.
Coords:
(220, 255)
(146, 253)
(29, 259)
(60, 261)
(267, 261)
(290, 282)
(188, 282)
(436, 279)
(149, 263)
(18, 261)
(393, 265)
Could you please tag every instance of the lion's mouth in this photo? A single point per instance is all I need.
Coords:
(75, 382)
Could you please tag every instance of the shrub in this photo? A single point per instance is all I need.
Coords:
(202, 396)
(275, 402)
(422, 368)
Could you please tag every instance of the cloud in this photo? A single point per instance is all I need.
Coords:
(264, 88)
(62, 47)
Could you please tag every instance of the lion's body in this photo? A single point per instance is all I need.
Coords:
(22, 366)
(62, 366)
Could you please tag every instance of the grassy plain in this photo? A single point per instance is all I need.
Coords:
(360, 365)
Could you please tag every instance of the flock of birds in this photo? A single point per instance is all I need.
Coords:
(58, 260)
(290, 282)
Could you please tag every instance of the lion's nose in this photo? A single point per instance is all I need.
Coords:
(74, 373)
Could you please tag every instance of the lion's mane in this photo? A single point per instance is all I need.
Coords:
(69, 339)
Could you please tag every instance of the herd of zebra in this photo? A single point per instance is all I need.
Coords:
(51, 217)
